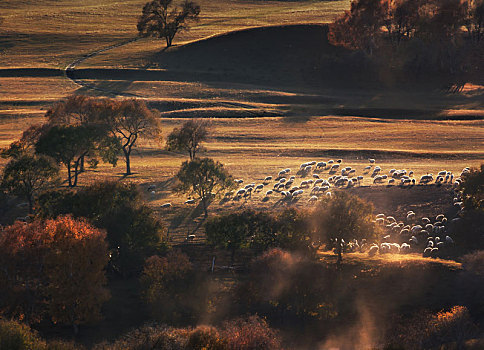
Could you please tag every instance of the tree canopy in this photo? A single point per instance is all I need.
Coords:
(53, 268)
(69, 145)
(189, 137)
(163, 20)
(28, 175)
(343, 217)
(128, 121)
(204, 178)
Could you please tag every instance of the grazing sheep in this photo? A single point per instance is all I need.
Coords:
(241, 192)
(373, 250)
(259, 187)
(449, 240)
(190, 238)
(371, 160)
(427, 251)
(268, 178)
(425, 221)
(238, 181)
(190, 201)
(405, 248)
(410, 216)
(321, 165)
(166, 205)
(439, 217)
(269, 192)
(434, 253)
(313, 199)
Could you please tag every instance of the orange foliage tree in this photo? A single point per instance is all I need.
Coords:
(53, 268)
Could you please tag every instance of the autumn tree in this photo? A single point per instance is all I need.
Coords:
(129, 120)
(189, 137)
(133, 230)
(343, 217)
(53, 268)
(360, 27)
(474, 19)
(163, 20)
(28, 175)
(204, 178)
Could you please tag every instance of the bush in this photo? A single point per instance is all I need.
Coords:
(17, 336)
(474, 262)
(172, 289)
(250, 333)
(240, 334)
(283, 285)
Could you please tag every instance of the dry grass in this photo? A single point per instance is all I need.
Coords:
(401, 260)
(53, 33)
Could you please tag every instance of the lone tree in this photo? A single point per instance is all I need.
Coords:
(162, 20)
(203, 178)
(129, 120)
(188, 137)
(28, 175)
(344, 217)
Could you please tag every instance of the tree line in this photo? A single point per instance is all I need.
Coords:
(415, 36)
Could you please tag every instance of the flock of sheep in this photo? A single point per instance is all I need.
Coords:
(310, 180)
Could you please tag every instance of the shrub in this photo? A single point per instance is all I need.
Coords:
(172, 289)
(18, 336)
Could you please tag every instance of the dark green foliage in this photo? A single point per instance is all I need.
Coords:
(28, 175)
(204, 178)
(133, 231)
(259, 230)
(70, 145)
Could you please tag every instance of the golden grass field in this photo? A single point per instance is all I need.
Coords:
(400, 128)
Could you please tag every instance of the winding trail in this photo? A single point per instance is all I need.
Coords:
(70, 69)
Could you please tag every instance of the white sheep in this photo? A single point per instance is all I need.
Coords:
(166, 205)
(371, 160)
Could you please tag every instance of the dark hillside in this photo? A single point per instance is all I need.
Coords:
(287, 55)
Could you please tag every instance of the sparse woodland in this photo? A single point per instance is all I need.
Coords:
(312, 256)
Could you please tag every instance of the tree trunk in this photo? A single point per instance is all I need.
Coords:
(232, 257)
(338, 250)
(81, 170)
(205, 209)
(128, 161)
(31, 204)
(69, 176)
(75, 328)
